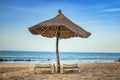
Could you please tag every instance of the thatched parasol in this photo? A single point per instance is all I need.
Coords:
(61, 28)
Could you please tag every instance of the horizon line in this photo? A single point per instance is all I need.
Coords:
(60, 51)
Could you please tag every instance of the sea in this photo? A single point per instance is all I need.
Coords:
(33, 57)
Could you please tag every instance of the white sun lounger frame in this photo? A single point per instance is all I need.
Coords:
(69, 67)
(44, 66)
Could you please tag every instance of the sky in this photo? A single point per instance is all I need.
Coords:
(99, 17)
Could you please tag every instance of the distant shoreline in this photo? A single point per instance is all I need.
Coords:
(40, 57)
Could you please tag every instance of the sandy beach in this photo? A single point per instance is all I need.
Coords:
(88, 71)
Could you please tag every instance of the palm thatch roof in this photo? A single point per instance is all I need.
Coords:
(67, 28)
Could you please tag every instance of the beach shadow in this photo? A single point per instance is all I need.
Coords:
(71, 72)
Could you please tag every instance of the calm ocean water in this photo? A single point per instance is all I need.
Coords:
(39, 57)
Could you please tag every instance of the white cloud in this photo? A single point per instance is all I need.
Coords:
(111, 10)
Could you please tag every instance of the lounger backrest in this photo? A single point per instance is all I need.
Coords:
(43, 65)
(70, 65)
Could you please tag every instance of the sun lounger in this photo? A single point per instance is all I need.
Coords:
(44, 66)
(74, 66)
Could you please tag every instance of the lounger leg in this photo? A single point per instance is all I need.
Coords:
(52, 69)
(62, 70)
(79, 70)
(35, 70)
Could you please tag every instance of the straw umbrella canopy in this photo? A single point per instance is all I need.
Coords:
(61, 28)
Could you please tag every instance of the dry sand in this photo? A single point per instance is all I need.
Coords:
(88, 71)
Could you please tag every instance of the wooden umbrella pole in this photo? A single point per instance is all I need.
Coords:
(57, 52)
